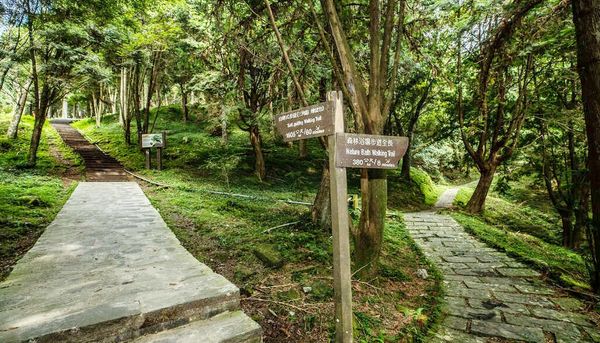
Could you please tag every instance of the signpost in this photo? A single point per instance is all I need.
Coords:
(369, 151)
(307, 122)
(346, 150)
(153, 140)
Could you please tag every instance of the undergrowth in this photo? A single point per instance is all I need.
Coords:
(31, 197)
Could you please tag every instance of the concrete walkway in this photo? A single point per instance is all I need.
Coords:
(108, 269)
(490, 297)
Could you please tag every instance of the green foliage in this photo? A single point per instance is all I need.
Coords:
(417, 194)
(30, 197)
(517, 216)
(425, 184)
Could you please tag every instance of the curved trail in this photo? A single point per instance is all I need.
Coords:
(447, 198)
(491, 297)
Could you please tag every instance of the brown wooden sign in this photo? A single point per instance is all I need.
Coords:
(307, 122)
(369, 151)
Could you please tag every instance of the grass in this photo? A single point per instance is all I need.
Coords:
(292, 302)
(30, 197)
(419, 193)
(531, 234)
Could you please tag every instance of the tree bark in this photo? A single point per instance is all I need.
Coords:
(406, 161)
(184, 103)
(581, 215)
(13, 128)
(224, 136)
(38, 126)
(259, 165)
(65, 108)
(477, 201)
(370, 235)
(321, 209)
(586, 16)
(566, 218)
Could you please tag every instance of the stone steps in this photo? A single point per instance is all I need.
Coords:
(230, 327)
(108, 269)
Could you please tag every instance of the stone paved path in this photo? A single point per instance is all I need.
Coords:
(108, 269)
(489, 295)
(447, 198)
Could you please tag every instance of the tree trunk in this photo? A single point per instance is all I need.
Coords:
(123, 98)
(127, 131)
(184, 104)
(586, 16)
(36, 136)
(302, 149)
(13, 128)
(112, 93)
(256, 141)
(224, 137)
(477, 201)
(372, 221)
(65, 108)
(407, 160)
(566, 218)
(137, 88)
(321, 209)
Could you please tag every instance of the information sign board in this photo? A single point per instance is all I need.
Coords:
(307, 122)
(369, 151)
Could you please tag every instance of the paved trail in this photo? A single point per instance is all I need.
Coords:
(447, 198)
(98, 165)
(108, 269)
(490, 296)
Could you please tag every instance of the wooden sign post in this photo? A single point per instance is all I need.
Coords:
(342, 275)
(346, 150)
(153, 140)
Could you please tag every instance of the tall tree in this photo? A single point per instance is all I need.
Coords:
(371, 97)
(586, 16)
(58, 32)
(491, 138)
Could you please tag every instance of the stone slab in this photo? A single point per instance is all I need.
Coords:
(508, 331)
(109, 265)
(493, 295)
(232, 327)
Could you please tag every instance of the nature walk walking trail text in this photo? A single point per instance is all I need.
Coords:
(489, 294)
(109, 269)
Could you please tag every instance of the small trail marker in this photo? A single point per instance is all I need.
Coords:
(153, 140)
(345, 150)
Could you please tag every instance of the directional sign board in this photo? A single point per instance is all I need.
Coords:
(369, 151)
(307, 122)
(153, 140)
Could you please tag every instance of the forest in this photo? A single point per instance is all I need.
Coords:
(499, 101)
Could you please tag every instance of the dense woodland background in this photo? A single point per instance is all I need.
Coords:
(496, 95)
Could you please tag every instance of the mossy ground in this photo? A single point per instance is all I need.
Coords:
(31, 197)
(523, 223)
(293, 302)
